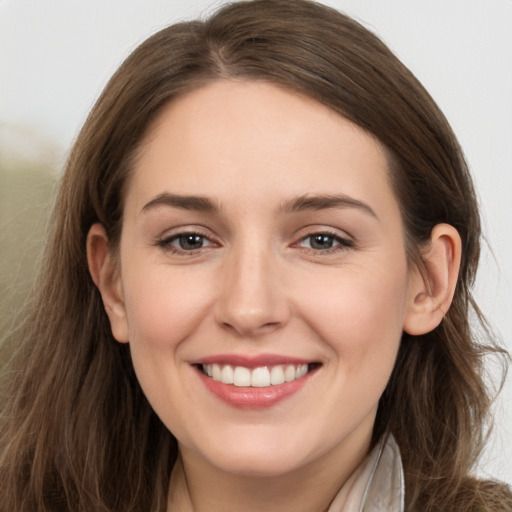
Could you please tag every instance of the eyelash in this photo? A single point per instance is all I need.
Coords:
(341, 243)
(166, 243)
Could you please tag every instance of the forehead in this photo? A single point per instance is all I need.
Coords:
(247, 139)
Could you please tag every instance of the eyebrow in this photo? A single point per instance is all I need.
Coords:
(299, 204)
(323, 202)
(195, 203)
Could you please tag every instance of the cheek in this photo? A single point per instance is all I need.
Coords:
(164, 307)
(361, 319)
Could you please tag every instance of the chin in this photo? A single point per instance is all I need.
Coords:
(262, 465)
(256, 457)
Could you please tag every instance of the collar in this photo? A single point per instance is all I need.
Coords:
(377, 485)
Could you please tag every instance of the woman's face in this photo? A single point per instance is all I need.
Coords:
(263, 279)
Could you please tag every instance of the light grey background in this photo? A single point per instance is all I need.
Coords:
(56, 56)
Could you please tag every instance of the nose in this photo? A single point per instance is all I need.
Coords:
(251, 298)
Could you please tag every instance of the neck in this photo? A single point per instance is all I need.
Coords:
(197, 486)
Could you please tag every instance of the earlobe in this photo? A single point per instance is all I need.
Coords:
(105, 274)
(433, 288)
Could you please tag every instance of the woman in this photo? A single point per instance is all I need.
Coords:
(256, 291)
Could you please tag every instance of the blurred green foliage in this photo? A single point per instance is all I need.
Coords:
(26, 192)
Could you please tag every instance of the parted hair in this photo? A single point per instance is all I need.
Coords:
(76, 432)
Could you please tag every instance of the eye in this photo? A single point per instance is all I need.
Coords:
(185, 242)
(324, 242)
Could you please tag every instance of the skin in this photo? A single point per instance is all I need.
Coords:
(259, 285)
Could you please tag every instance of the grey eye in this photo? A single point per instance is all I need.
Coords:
(324, 242)
(321, 241)
(189, 241)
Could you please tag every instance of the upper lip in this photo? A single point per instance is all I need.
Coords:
(251, 361)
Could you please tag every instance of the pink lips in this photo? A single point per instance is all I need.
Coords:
(252, 397)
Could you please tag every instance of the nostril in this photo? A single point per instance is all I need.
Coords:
(251, 329)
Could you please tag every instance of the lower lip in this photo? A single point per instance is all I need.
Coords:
(252, 398)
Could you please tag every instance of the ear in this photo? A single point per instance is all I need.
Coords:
(105, 274)
(432, 288)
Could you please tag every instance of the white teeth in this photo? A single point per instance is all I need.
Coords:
(302, 370)
(260, 377)
(276, 375)
(242, 377)
(227, 375)
(290, 373)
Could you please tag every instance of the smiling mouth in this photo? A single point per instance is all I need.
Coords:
(259, 377)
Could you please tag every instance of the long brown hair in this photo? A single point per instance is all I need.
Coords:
(76, 432)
